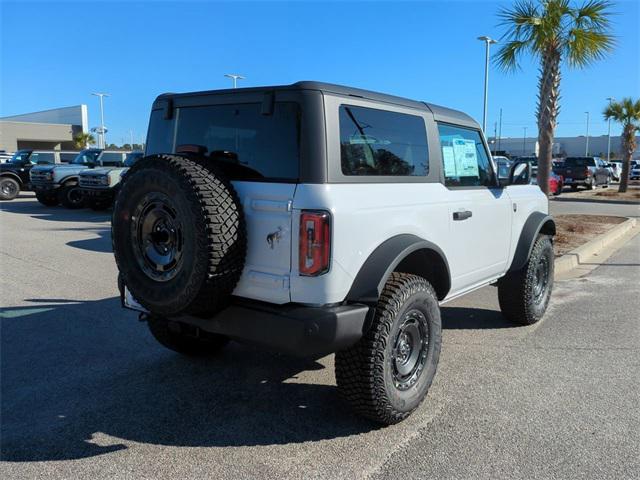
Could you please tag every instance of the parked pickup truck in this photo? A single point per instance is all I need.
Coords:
(99, 186)
(55, 184)
(587, 172)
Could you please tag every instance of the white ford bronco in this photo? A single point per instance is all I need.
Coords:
(317, 218)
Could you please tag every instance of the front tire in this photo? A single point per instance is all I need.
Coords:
(9, 188)
(386, 375)
(47, 199)
(70, 196)
(524, 294)
(185, 339)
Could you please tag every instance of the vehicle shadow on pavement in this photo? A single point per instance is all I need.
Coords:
(101, 243)
(463, 318)
(58, 213)
(80, 379)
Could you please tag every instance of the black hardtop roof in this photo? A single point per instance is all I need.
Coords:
(440, 113)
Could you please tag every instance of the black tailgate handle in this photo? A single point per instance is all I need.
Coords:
(462, 215)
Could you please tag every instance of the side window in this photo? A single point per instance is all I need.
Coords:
(378, 142)
(464, 158)
(160, 134)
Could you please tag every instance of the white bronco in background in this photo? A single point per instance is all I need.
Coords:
(316, 218)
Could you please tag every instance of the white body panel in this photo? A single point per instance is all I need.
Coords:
(478, 250)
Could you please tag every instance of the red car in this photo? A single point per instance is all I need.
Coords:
(556, 183)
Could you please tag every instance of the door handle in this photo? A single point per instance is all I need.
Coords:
(462, 215)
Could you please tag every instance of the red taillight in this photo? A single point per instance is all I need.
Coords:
(315, 243)
(587, 172)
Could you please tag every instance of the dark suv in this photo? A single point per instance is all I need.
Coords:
(14, 174)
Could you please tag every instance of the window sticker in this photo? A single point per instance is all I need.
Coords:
(464, 151)
(449, 161)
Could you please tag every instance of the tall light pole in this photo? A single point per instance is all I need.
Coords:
(611, 99)
(500, 130)
(586, 147)
(102, 142)
(235, 78)
(487, 41)
(524, 142)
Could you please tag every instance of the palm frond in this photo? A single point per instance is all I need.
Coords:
(507, 56)
(520, 20)
(593, 14)
(584, 46)
(626, 111)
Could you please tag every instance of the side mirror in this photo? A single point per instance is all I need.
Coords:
(519, 173)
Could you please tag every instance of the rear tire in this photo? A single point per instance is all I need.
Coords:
(70, 196)
(48, 200)
(524, 294)
(178, 236)
(386, 375)
(185, 339)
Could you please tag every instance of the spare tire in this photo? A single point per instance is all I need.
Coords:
(178, 235)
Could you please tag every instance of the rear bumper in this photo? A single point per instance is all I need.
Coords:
(293, 329)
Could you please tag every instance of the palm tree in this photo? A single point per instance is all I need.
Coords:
(626, 112)
(553, 32)
(82, 140)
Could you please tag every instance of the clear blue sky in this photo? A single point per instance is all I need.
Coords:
(55, 54)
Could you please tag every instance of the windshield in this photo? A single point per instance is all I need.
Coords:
(86, 156)
(20, 156)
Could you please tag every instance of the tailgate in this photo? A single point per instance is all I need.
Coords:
(267, 212)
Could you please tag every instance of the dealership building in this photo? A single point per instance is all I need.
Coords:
(46, 130)
(562, 146)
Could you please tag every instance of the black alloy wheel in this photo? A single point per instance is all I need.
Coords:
(157, 236)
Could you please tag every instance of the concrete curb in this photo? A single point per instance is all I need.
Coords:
(575, 257)
(595, 200)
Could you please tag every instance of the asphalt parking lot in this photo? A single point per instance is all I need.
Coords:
(87, 393)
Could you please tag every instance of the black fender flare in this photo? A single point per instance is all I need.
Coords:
(12, 176)
(71, 179)
(420, 253)
(537, 223)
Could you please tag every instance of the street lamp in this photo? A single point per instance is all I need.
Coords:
(235, 78)
(488, 41)
(611, 99)
(524, 141)
(586, 148)
(102, 142)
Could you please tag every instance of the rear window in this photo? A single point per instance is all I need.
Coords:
(251, 144)
(379, 142)
(579, 162)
